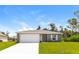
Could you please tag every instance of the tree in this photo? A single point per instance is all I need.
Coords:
(53, 27)
(38, 28)
(76, 13)
(61, 28)
(77, 27)
(7, 34)
(72, 23)
(56, 29)
(67, 33)
(45, 29)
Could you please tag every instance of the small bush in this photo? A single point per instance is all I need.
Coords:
(74, 38)
(66, 39)
(0, 40)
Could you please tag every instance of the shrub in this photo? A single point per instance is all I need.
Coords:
(74, 38)
(0, 40)
(66, 39)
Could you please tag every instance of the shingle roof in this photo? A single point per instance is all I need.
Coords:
(39, 32)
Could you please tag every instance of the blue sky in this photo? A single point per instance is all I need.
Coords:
(15, 18)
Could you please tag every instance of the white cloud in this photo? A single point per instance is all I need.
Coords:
(5, 28)
(45, 24)
(23, 25)
(41, 17)
(34, 12)
(42, 23)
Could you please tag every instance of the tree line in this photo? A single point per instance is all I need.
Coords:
(71, 29)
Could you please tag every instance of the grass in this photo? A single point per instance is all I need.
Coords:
(59, 48)
(4, 45)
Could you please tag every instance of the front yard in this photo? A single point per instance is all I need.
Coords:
(4, 45)
(59, 48)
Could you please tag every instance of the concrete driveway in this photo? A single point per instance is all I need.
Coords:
(28, 51)
(20, 49)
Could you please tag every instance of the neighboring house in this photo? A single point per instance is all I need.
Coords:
(38, 36)
(12, 38)
(3, 37)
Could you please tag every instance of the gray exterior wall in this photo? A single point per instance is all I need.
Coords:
(50, 38)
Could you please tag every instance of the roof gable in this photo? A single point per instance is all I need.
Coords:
(2, 35)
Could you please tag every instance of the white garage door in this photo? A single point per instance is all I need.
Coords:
(29, 38)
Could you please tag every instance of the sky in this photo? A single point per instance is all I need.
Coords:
(14, 18)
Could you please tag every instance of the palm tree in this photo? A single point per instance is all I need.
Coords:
(72, 22)
(77, 27)
(38, 28)
(65, 32)
(61, 28)
(53, 27)
(76, 13)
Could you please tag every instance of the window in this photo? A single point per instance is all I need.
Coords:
(53, 37)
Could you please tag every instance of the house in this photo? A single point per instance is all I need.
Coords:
(38, 36)
(3, 37)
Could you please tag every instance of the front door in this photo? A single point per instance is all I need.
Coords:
(44, 37)
(53, 38)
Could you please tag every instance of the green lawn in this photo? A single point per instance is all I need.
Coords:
(4, 45)
(59, 48)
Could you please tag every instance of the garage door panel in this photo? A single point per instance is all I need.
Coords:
(29, 38)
